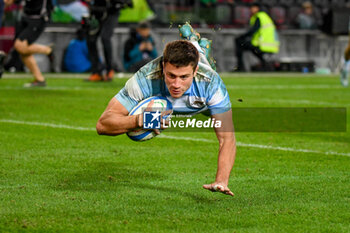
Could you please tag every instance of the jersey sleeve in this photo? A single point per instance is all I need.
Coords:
(136, 89)
(218, 100)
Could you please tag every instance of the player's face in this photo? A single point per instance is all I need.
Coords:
(178, 79)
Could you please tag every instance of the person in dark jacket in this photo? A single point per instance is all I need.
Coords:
(261, 38)
(103, 19)
(36, 14)
(140, 48)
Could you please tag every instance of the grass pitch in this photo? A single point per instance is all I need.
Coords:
(58, 175)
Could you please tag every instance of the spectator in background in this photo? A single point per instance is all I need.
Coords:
(261, 38)
(103, 19)
(76, 56)
(207, 11)
(140, 48)
(74, 7)
(36, 14)
(306, 19)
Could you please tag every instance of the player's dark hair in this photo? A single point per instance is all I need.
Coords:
(181, 53)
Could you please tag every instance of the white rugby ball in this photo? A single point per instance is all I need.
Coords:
(160, 103)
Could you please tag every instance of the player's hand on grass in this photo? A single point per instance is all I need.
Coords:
(217, 187)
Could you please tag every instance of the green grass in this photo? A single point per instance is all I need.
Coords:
(67, 180)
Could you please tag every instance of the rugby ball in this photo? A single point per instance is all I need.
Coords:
(160, 103)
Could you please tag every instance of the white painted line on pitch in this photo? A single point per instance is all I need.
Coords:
(60, 126)
(63, 76)
(48, 125)
(58, 88)
(60, 76)
(46, 88)
(291, 149)
(277, 101)
(259, 146)
(186, 138)
(274, 101)
(8, 75)
(296, 75)
(283, 87)
(231, 86)
(249, 87)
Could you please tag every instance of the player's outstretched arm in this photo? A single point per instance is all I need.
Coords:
(115, 120)
(227, 153)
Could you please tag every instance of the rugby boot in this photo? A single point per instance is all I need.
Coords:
(35, 83)
(95, 78)
(187, 32)
(109, 76)
(205, 44)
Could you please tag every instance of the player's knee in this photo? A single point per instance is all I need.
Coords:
(228, 139)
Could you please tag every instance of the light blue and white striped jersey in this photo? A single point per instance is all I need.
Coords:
(206, 92)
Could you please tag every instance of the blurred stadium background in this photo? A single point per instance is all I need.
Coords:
(318, 50)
